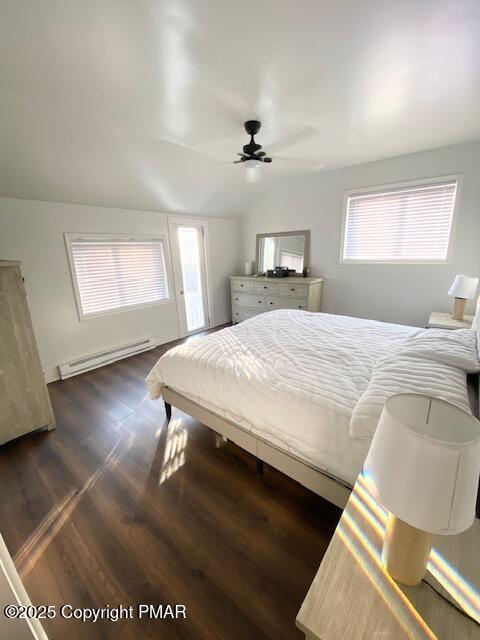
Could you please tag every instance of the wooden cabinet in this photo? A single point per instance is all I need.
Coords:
(24, 400)
(251, 296)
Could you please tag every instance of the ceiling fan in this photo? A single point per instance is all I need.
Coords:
(252, 156)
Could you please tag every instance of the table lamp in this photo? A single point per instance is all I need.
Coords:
(424, 466)
(463, 288)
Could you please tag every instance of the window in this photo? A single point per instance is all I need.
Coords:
(407, 223)
(115, 273)
(269, 254)
(291, 260)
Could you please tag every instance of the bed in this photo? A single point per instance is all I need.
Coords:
(303, 391)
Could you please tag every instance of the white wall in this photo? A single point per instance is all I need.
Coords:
(395, 293)
(32, 232)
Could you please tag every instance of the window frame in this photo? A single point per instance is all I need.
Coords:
(458, 177)
(69, 237)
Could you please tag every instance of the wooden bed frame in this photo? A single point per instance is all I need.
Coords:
(331, 488)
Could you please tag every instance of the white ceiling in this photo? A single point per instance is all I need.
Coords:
(140, 104)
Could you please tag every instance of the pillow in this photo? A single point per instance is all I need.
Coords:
(457, 348)
(406, 374)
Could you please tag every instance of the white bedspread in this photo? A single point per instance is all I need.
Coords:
(402, 373)
(291, 377)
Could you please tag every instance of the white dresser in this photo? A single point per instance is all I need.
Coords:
(251, 296)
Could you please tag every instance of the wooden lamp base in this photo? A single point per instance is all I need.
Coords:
(405, 551)
(459, 308)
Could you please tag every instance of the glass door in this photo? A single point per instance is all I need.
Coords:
(190, 277)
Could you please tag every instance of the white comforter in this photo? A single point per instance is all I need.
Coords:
(291, 377)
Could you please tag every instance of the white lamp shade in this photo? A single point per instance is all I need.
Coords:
(463, 287)
(424, 463)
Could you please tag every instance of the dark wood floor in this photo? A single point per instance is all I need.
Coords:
(117, 507)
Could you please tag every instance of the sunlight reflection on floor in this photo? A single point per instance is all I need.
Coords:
(28, 555)
(174, 453)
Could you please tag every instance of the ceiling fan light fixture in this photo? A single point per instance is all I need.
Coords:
(253, 175)
(252, 164)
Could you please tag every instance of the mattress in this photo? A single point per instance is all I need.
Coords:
(290, 377)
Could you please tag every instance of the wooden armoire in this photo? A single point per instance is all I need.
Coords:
(24, 400)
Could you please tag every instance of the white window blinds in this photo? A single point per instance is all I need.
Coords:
(405, 224)
(114, 274)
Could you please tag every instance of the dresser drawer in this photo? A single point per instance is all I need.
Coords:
(293, 290)
(253, 300)
(239, 314)
(274, 302)
(243, 285)
(266, 287)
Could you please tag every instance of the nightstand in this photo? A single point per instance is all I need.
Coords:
(353, 598)
(440, 320)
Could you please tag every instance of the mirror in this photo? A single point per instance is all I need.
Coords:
(286, 249)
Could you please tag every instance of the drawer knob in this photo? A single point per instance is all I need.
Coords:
(259, 302)
(271, 302)
(236, 299)
(241, 285)
(300, 306)
(292, 289)
(265, 286)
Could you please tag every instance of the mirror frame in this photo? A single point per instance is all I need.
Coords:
(306, 254)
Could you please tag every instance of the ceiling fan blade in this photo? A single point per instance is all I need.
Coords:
(266, 159)
(237, 161)
(242, 155)
(260, 154)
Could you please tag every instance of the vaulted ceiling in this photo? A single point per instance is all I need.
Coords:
(140, 104)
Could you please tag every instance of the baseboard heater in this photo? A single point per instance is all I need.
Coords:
(96, 360)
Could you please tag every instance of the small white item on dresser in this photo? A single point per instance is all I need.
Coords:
(253, 295)
(249, 267)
